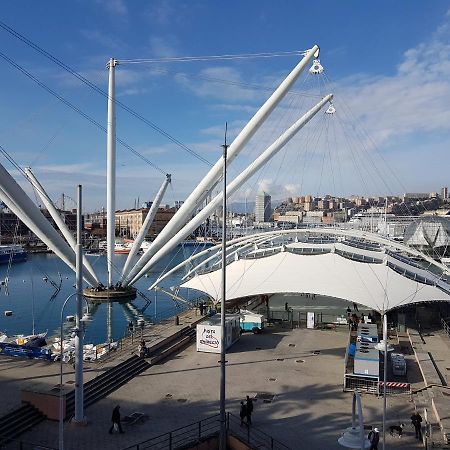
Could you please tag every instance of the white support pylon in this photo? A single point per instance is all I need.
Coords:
(111, 172)
(22, 206)
(212, 177)
(57, 218)
(146, 225)
(235, 184)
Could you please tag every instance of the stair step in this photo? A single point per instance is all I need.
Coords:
(19, 421)
(14, 420)
(110, 382)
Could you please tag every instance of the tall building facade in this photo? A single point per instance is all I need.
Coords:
(263, 208)
(444, 193)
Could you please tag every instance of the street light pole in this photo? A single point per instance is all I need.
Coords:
(384, 347)
(61, 397)
(223, 431)
(79, 404)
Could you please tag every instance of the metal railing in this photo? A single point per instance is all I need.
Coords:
(15, 444)
(445, 325)
(361, 384)
(194, 433)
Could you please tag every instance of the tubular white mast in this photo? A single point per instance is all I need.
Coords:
(111, 171)
(235, 184)
(57, 218)
(212, 177)
(146, 225)
(22, 206)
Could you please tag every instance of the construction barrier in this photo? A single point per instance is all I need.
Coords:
(393, 387)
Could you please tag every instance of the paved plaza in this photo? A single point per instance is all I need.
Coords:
(309, 409)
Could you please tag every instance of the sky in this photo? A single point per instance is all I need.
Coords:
(387, 64)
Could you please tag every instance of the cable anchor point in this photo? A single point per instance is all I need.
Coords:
(316, 67)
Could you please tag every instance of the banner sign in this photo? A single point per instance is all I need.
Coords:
(25, 352)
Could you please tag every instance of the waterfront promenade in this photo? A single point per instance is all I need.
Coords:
(308, 410)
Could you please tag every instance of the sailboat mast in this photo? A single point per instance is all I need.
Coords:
(111, 171)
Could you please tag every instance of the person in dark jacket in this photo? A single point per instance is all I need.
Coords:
(115, 419)
(249, 410)
(416, 420)
(243, 413)
(374, 439)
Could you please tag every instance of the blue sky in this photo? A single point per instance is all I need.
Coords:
(387, 63)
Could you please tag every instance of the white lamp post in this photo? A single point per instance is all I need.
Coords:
(354, 436)
(384, 347)
(85, 318)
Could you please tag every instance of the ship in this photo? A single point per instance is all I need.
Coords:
(12, 254)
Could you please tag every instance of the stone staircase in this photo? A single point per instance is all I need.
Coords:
(18, 421)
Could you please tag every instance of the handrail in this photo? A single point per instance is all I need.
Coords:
(209, 427)
(445, 326)
(23, 444)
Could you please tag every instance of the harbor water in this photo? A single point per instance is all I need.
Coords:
(31, 295)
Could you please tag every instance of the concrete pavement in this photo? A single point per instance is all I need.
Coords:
(309, 409)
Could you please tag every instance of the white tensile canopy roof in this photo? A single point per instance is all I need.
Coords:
(377, 286)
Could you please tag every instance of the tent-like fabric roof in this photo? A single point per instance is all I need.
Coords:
(376, 285)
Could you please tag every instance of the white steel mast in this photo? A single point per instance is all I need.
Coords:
(22, 206)
(57, 218)
(111, 171)
(212, 177)
(146, 225)
(235, 184)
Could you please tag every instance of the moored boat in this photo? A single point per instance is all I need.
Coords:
(12, 253)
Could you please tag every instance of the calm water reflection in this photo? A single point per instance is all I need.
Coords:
(29, 296)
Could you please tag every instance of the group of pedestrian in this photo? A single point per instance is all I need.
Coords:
(374, 435)
(246, 411)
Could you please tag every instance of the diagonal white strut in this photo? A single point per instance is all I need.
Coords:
(211, 178)
(57, 218)
(22, 206)
(235, 184)
(146, 225)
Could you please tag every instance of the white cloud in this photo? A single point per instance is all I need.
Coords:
(161, 12)
(208, 84)
(163, 47)
(413, 100)
(116, 7)
(103, 39)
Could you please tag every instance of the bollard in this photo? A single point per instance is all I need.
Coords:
(177, 320)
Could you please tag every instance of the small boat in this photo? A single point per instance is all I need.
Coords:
(121, 248)
(12, 253)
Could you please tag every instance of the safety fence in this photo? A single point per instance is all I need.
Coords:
(374, 385)
(195, 433)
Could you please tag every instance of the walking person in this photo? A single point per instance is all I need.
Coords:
(374, 439)
(142, 349)
(243, 413)
(115, 419)
(355, 307)
(416, 420)
(249, 408)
